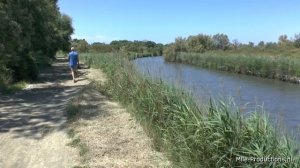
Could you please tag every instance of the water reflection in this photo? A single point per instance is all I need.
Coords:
(281, 100)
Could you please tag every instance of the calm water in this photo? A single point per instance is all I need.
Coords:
(280, 100)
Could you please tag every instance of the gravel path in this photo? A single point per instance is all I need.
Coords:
(33, 121)
(33, 126)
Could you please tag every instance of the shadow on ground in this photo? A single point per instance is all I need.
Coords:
(36, 111)
(91, 104)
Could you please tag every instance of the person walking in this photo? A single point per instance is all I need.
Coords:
(73, 62)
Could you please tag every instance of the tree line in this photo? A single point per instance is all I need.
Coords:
(137, 48)
(31, 32)
(202, 43)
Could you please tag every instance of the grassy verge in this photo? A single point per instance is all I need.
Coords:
(266, 66)
(193, 135)
(9, 86)
(73, 112)
(12, 88)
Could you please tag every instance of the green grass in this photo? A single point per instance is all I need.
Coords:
(71, 133)
(283, 65)
(73, 112)
(191, 134)
(13, 88)
(83, 149)
(73, 109)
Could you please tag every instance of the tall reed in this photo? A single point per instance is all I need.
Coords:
(191, 134)
(275, 67)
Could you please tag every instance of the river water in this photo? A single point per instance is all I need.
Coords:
(280, 100)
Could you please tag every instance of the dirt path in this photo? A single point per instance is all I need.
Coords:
(33, 126)
(32, 122)
(112, 135)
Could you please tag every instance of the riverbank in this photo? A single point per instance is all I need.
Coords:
(278, 67)
(106, 135)
(192, 135)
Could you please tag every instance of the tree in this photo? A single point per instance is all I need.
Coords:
(271, 45)
(81, 45)
(117, 44)
(283, 41)
(261, 44)
(236, 43)
(101, 47)
(251, 44)
(221, 41)
(297, 40)
(179, 45)
(31, 32)
(199, 43)
(283, 38)
(65, 32)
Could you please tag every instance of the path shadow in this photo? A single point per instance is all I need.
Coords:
(61, 59)
(35, 112)
(93, 104)
(81, 79)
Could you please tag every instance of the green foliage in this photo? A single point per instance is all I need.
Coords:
(297, 40)
(193, 135)
(221, 41)
(12, 88)
(270, 60)
(197, 44)
(66, 29)
(23, 67)
(261, 44)
(131, 49)
(170, 53)
(81, 45)
(31, 31)
(100, 47)
(139, 48)
(271, 45)
(275, 67)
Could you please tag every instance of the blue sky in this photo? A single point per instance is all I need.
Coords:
(163, 20)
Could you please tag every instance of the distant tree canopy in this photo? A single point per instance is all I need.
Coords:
(31, 32)
(202, 43)
(130, 47)
(101, 47)
(80, 44)
(199, 43)
(297, 40)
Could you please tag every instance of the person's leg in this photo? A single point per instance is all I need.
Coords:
(73, 74)
(75, 71)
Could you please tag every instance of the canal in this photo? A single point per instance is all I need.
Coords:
(280, 100)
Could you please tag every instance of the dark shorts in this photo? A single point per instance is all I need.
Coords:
(73, 67)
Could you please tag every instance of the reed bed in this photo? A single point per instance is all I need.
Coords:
(216, 134)
(266, 66)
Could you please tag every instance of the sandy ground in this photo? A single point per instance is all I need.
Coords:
(112, 135)
(33, 121)
(33, 126)
(114, 138)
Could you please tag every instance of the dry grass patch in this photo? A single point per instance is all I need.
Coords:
(110, 136)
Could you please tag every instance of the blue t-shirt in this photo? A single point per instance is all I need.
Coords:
(73, 58)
